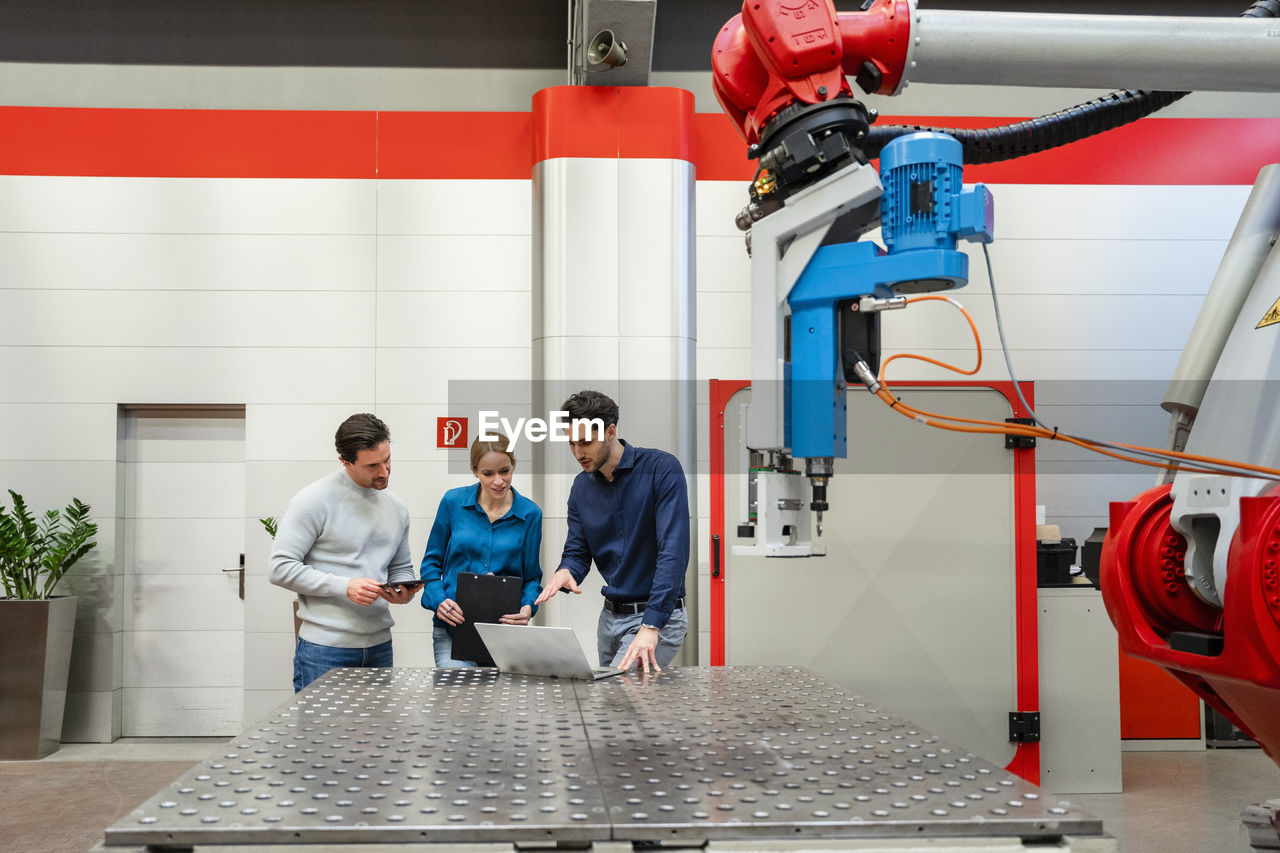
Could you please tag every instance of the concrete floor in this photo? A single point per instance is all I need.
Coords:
(1174, 802)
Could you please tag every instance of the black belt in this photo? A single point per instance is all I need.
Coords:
(626, 608)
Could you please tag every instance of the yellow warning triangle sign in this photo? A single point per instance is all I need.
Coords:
(1271, 317)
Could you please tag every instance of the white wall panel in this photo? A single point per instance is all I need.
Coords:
(202, 541)
(454, 207)
(717, 205)
(1046, 322)
(582, 611)
(179, 374)
(95, 659)
(62, 431)
(102, 590)
(153, 660)
(267, 607)
(723, 264)
(1074, 212)
(554, 489)
(724, 319)
(475, 262)
(420, 485)
(656, 359)
(91, 716)
(225, 262)
(411, 642)
(579, 209)
(456, 318)
(257, 549)
(299, 432)
(270, 484)
(193, 490)
(1076, 494)
(1096, 267)
(724, 362)
(183, 603)
(655, 255)
(189, 436)
(154, 712)
(186, 205)
(46, 484)
(420, 524)
(268, 663)
(200, 318)
(421, 374)
(583, 358)
(413, 431)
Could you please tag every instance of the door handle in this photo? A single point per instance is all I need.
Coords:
(241, 571)
(715, 555)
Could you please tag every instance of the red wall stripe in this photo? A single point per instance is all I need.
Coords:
(494, 145)
(452, 145)
(1153, 151)
(187, 143)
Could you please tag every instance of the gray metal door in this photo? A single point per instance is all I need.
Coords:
(914, 605)
(184, 526)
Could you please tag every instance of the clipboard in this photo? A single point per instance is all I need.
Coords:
(483, 598)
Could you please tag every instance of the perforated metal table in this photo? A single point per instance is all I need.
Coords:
(685, 757)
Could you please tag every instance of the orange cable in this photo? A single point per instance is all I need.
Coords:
(955, 422)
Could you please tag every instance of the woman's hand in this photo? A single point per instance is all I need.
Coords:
(521, 618)
(450, 612)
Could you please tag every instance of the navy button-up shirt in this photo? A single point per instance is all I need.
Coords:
(636, 529)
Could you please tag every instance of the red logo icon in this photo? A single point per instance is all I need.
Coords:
(451, 432)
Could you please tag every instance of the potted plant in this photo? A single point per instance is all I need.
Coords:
(36, 627)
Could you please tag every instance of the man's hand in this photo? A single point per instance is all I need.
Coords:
(521, 618)
(397, 594)
(562, 579)
(641, 649)
(364, 591)
(450, 612)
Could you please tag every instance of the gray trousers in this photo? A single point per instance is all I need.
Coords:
(614, 634)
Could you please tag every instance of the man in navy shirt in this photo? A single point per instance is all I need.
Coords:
(629, 513)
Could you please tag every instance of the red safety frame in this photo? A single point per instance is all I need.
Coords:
(1026, 759)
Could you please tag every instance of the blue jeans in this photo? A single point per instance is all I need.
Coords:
(614, 634)
(312, 660)
(442, 645)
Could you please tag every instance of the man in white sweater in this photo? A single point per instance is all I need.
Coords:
(341, 540)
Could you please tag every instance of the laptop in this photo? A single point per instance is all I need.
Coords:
(539, 650)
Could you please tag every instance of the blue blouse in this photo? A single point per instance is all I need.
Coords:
(463, 540)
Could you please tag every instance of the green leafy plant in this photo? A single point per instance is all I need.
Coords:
(36, 553)
(270, 525)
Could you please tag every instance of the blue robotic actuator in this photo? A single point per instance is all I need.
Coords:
(815, 306)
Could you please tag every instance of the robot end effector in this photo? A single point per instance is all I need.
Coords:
(817, 292)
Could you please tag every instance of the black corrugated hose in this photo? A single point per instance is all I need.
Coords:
(993, 144)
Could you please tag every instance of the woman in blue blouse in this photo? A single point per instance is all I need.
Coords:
(486, 528)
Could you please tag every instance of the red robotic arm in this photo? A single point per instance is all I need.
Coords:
(783, 52)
